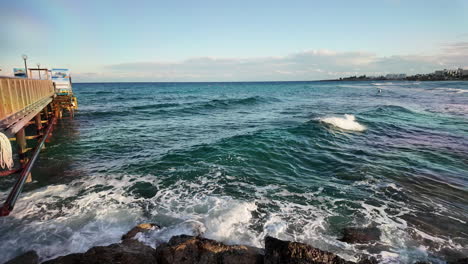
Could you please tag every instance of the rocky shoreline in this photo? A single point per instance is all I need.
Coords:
(184, 249)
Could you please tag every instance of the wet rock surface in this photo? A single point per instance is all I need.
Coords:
(184, 249)
(131, 251)
(188, 249)
(286, 252)
(459, 261)
(139, 228)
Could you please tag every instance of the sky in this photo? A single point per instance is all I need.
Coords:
(213, 40)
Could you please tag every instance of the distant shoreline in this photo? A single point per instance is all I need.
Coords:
(330, 80)
(397, 80)
(418, 77)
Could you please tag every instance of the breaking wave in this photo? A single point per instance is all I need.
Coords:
(98, 211)
(348, 122)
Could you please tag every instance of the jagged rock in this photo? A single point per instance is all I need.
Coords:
(130, 252)
(360, 235)
(460, 261)
(139, 228)
(189, 249)
(286, 252)
(29, 257)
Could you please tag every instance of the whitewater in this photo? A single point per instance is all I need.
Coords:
(236, 162)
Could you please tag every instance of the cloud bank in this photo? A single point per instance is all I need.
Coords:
(306, 65)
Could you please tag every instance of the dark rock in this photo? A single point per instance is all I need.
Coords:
(453, 256)
(139, 228)
(29, 257)
(130, 252)
(459, 261)
(360, 235)
(285, 252)
(189, 249)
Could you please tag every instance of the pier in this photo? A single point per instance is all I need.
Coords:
(28, 102)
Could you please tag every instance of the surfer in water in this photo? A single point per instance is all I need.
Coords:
(380, 90)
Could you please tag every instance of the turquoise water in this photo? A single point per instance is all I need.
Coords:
(238, 161)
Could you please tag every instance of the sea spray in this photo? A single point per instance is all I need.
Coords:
(348, 122)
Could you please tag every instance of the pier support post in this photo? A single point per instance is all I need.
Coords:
(57, 112)
(38, 122)
(21, 141)
(46, 112)
(22, 149)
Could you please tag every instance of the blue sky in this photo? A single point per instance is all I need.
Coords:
(234, 40)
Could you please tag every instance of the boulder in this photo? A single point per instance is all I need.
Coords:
(360, 235)
(189, 249)
(139, 228)
(459, 261)
(29, 257)
(286, 252)
(130, 252)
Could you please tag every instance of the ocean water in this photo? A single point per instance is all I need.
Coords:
(238, 161)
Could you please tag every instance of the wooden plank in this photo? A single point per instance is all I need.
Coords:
(32, 89)
(38, 90)
(3, 111)
(26, 93)
(10, 101)
(18, 98)
(15, 96)
(28, 88)
(19, 87)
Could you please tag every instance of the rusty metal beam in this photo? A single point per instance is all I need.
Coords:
(8, 172)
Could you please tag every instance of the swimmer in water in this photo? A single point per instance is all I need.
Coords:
(380, 90)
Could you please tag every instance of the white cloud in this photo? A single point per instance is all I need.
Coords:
(306, 65)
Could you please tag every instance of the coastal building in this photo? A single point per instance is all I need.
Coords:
(439, 73)
(451, 73)
(462, 72)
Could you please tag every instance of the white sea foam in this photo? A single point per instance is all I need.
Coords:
(53, 225)
(384, 83)
(452, 90)
(348, 122)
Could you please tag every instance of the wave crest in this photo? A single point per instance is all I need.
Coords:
(348, 122)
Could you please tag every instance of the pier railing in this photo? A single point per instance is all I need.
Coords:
(17, 94)
(21, 98)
